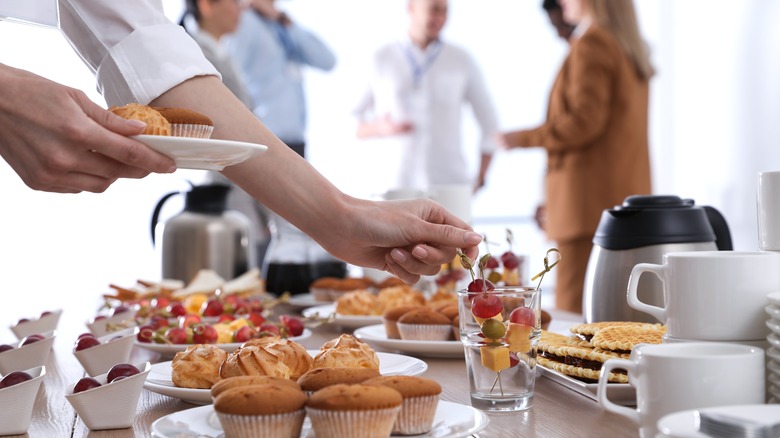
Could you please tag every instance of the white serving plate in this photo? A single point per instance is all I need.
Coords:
(42, 324)
(620, 393)
(202, 153)
(159, 379)
(346, 321)
(774, 340)
(305, 300)
(452, 420)
(171, 349)
(686, 423)
(376, 336)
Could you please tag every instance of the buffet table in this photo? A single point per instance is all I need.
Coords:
(557, 411)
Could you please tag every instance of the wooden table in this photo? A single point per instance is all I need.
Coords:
(557, 411)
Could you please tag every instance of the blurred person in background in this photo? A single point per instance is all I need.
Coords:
(595, 133)
(417, 91)
(272, 50)
(208, 21)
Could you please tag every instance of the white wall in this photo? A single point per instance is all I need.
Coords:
(715, 108)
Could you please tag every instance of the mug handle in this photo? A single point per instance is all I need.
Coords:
(601, 393)
(633, 281)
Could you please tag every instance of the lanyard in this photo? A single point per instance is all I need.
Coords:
(418, 70)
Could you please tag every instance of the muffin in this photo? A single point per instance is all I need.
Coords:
(254, 361)
(318, 378)
(390, 282)
(241, 381)
(421, 397)
(354, 411)
(450, 311)
(424, 325)
(198, 366)
(261, 410)
(187, 123)
(359, 302)
(156, 123)
(346, 352)
(292, 354)
(399, 296)
(390, 320)
(350, 284)
(321, 288)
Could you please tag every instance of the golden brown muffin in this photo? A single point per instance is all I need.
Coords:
(261, 410)
(390, 319)
(197, 366)
(359, 302)
(390, 282)
(292, 354)
(450, 311)
(399, 296)
(348, 411)
(346, 352)
(156, 124)
(187, 123)
(319, 378)
(254, 361)
(421, 397)
(241, 381)
(424, 325)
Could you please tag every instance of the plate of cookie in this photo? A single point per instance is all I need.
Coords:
(202, 153)
(345, 321)
(574, 359)
(160, 381)
(376, 335)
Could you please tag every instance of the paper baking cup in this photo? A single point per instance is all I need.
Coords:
(425, 332)
(416, 415)
(192, 131)
(375, 423)
(249, 426)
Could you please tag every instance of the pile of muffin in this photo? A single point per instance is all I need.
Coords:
(328, 289)
(423, 323)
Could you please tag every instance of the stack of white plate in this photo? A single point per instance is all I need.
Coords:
(773, 353)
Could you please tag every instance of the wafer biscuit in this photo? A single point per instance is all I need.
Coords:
(624, 338)
(593, 327)
(558, 352)
(581, 373)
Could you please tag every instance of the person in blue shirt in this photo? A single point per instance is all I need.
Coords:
(271, 50)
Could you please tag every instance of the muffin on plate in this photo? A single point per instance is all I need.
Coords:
(354, 411)
(316, 379)
(197, 366)
(390, 319)
(240, 381)
(270, 409)
(424, 325)
(156, 123)
(187, 123)
(346, 352)
(421, 397)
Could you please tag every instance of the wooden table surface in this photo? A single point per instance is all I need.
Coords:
(557, 411)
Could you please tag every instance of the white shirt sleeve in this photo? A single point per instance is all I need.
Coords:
(136, 53)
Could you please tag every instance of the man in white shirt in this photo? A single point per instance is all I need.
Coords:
(49, 132)
(418, 88)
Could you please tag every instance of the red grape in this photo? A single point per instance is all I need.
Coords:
(270, 328)
(486, 305)
(145, 334)
(491, 263)
(225, 318)
(32, 338)
(177, 309)
(204, 334)
(212, 308)
(121, 369)
(256, 318)
(158, 321)
(293, 325)
(188, 320)
(45, 313)
(510, 260)
(161, 302)
(244, 334)
(523, 315)
(119, 309)
(6, 347)
(85, 384)
(14, 378)
(480, 285)
(513, 359)
(22, 321)
(86, 335)
(85, 342)
(176, 335)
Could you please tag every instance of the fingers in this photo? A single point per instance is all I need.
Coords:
(411, 263)
(396, 269)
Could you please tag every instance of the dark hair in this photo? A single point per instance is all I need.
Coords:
(551, 5)
(190, 8)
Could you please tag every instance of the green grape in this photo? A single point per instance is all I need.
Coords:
(493, 329)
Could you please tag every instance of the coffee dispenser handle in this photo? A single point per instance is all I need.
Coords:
(601, 393)
(157, 209)
(633, 282)
(720, 227)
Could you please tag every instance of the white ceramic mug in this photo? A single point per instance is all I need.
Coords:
(711, 295)
(454, 197)
(677, 377)
(768, 206)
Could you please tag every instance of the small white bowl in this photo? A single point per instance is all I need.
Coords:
(17, 402)
(46, 323)
(774, 298)
(100, 358)
(111, 405)
(28, 356)
(103, 327)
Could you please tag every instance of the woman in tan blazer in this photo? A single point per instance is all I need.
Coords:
(595, 133)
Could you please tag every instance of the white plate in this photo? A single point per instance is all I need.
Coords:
(620, 393)
(172, 349)
(305, 300)
(773, 325)
(202, 153)
(774, 339)
(346, 321)
(773, 311)
(159, 379)
(773, 353)
(452, 420)
(377, 336)
(686, 423)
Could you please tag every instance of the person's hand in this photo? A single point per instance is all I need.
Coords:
(57, 140)
(407, 238)
(386, 126)
(502, 141)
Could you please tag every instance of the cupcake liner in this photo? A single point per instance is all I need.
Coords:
(425, 332)
(286, 425)
(191, 130)
(321, 294)
(416, 415)
(375, 423)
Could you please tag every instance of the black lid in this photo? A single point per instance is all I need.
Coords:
(210, 199)
(653, 220)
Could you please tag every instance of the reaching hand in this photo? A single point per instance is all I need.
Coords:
(407, 238)
(57, 140)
